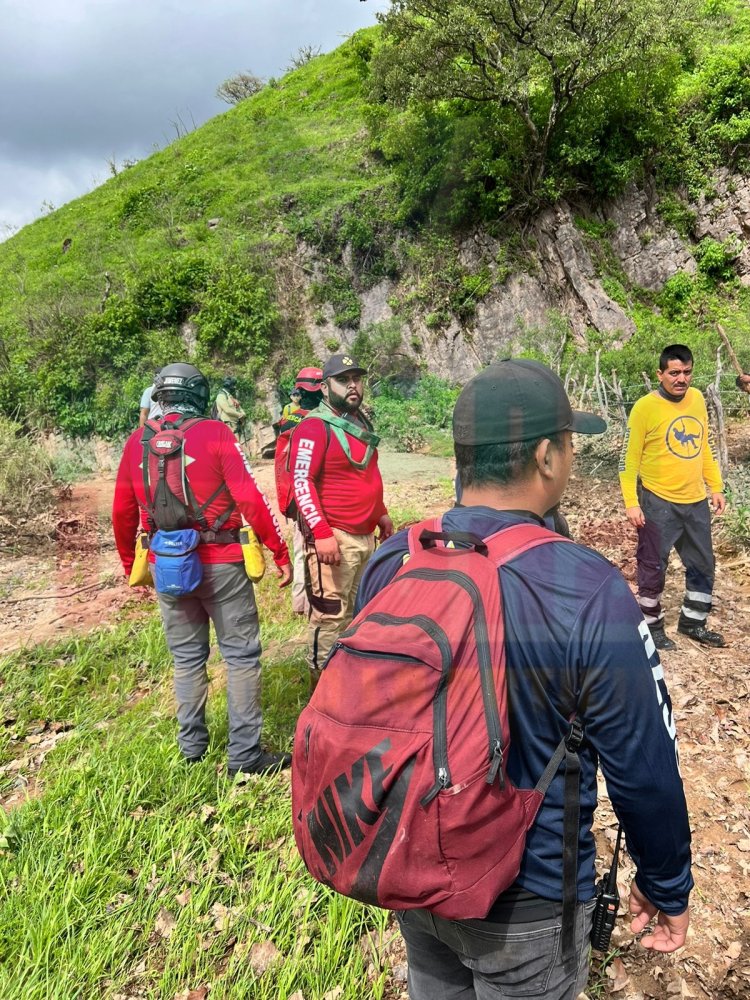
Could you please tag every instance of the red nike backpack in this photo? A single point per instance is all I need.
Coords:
(400, 793)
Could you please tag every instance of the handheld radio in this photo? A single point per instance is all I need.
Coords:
(607, 904)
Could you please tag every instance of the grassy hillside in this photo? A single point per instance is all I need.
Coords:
(217, 247)
(267, 170)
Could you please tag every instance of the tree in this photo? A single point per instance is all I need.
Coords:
(303, 56)
(239, 87)
(534, 57)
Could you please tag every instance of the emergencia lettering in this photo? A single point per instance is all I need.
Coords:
(302, 493)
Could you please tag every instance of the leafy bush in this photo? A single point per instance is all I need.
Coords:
(238, 316)
(406, 419)
(676, 213)
(379, 349)
(676, 294)
(337, 289)
(168, 293)
(716, 259)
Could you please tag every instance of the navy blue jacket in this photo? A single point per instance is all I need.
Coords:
(577, 643)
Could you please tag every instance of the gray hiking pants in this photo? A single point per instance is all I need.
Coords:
(482, 960)
(226, 598)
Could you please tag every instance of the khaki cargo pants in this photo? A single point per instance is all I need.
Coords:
(337, 586)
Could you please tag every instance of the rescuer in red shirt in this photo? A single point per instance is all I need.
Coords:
(339, 495)
(216, 471)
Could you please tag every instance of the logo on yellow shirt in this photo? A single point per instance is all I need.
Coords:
(685, 437)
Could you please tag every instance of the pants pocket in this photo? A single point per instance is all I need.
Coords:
(520, 962)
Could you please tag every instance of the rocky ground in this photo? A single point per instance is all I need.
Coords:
(75, 584)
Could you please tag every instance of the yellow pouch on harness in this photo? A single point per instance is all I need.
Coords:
(252, 553)
(140, 574)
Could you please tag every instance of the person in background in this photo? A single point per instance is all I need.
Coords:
(295, 396)
(228, 408)
(666, 463)
(150, 409)
(220, 478)
(576, 647)
(743, 383)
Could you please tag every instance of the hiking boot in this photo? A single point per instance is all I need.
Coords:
(267, 763)
(662, 640)
(702, 635)
(194, 760)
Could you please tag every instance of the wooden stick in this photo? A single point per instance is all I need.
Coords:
(730, 350)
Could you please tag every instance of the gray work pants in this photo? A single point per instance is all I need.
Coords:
(483, 960)
(687, 528)
(226, 598)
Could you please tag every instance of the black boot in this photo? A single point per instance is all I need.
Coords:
(661, 639)
(702, 635)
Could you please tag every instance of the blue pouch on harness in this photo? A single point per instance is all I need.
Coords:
(178, 569)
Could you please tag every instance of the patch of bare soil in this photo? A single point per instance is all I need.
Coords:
(76, 584)
(69, 583)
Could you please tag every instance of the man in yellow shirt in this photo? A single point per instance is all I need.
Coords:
(667, 448)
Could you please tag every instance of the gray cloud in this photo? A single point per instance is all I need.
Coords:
(86, 80)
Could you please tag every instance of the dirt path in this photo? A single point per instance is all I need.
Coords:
(710, 692)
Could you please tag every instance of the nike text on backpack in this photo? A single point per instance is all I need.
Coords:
(400, 792)
(176, 520)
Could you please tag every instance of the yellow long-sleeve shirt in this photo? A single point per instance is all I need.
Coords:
(667, 445)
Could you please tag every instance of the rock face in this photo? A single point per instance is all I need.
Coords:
(726, 216)
(649, 252)
(560, 290)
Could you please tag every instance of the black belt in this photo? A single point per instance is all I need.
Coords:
(519, 906)
(220, 537)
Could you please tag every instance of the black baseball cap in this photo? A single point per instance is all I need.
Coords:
(337, 364)
(517, 401)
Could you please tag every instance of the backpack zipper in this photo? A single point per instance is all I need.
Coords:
(491, 712)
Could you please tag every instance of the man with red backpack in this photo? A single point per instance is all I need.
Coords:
(184, 481)
(338, 493)
(488, 650)
(309, 397)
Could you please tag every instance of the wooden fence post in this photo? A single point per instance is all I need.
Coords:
(718, 429)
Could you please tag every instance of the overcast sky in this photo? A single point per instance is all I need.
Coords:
(84, 82)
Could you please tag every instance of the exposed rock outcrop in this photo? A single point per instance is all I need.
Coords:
(560, 278)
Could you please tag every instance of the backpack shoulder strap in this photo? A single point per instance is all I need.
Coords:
(150, 428)
(506, 544)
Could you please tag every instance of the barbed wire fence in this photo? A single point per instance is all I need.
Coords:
(605, 394)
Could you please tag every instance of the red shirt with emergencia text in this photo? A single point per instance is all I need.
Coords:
(330, 492)
(213, 456)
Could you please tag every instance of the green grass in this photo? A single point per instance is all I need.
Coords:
(134, 874)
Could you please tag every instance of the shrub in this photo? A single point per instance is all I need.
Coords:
(239, 87)
(237, 316)
(676, 294)
(716, 259)
(26, 480)
(168, 294)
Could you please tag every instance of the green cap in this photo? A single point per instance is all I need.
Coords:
(517, 401)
